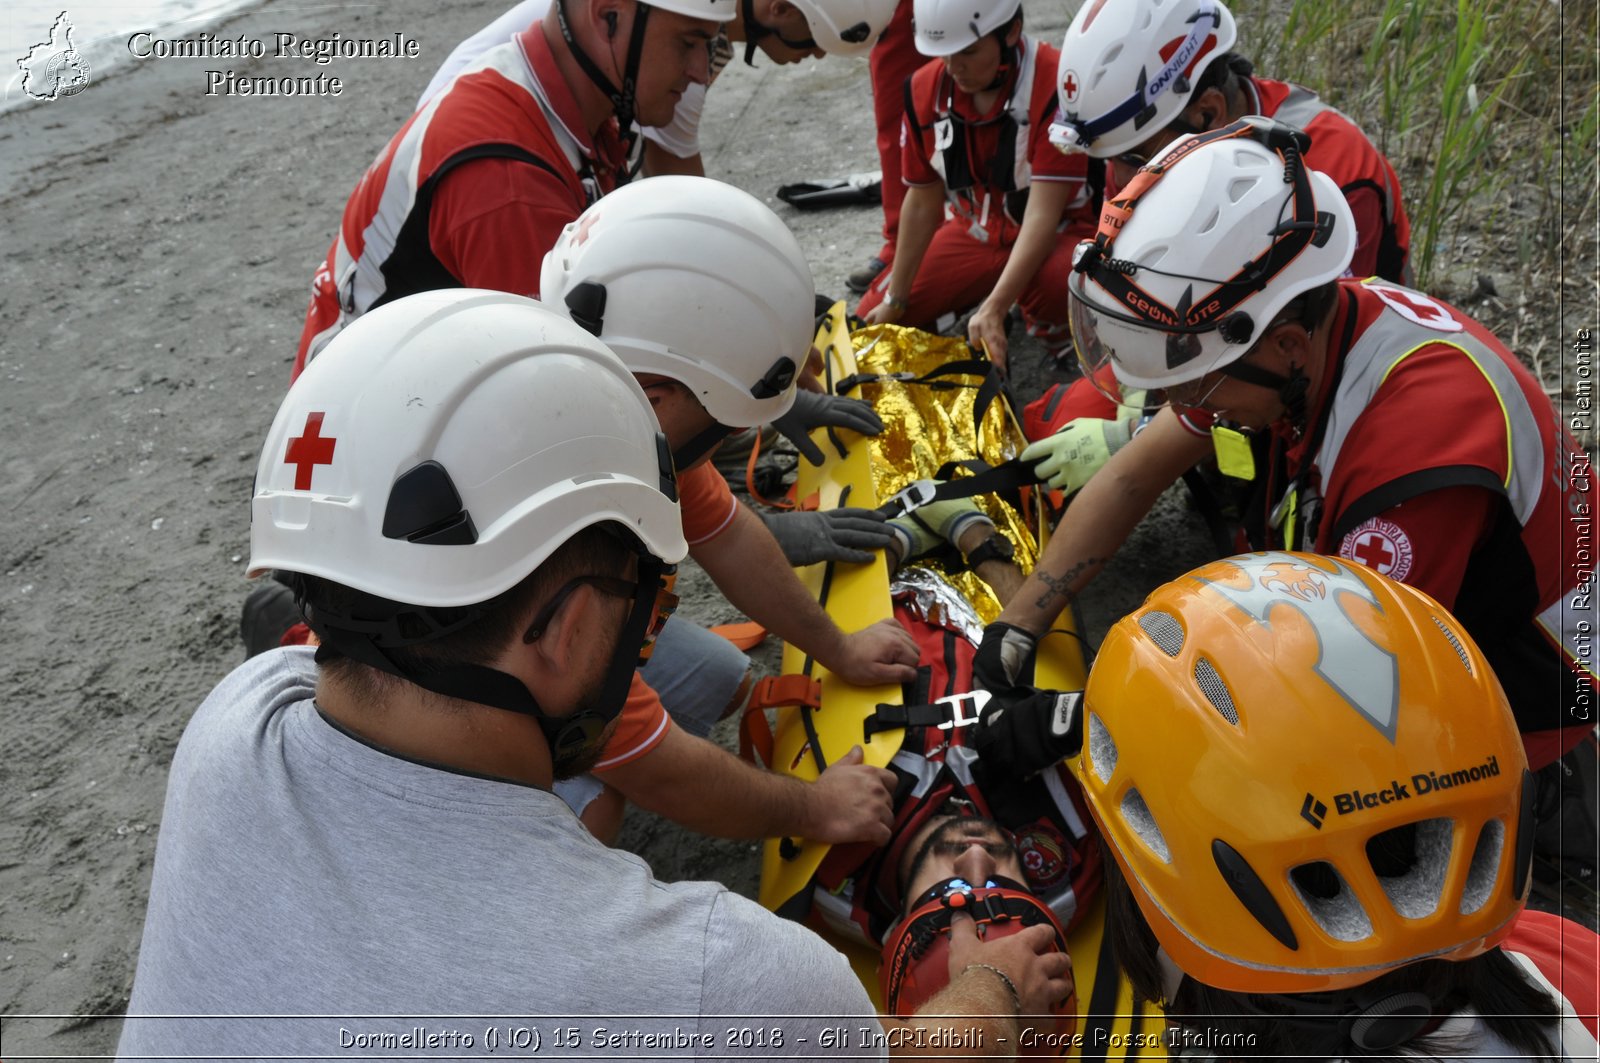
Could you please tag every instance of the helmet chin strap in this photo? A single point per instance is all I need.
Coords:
(1291, 389)
(1008, 60)
(696, 448)
(624, 100)
(756, 31)
(368, 642)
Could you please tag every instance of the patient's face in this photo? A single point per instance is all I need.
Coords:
(967, 847)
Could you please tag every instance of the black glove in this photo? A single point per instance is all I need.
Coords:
(1022, 734)
(847, 534)
(1004, 661)
(813, 409)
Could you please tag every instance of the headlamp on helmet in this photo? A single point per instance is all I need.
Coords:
(1180, 279)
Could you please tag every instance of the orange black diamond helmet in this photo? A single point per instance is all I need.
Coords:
(1308, 773)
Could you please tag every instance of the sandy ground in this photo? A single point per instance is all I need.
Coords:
(159, 244)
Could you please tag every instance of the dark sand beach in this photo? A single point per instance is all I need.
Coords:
(158, 247)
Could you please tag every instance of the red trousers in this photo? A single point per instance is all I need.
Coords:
(892, 62)
(959, 271)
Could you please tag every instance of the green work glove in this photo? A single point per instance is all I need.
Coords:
(927, 530)
(1067, 459)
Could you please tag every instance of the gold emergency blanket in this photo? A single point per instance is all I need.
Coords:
(927, 426)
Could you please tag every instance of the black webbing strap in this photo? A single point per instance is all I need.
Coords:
(827, 384)
(933, 378)
(412, 266)
(991, 387)
(888, 717)
(989, 479)
(1102, 1009)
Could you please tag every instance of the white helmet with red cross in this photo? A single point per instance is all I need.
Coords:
(445, 444)
(1128, 67)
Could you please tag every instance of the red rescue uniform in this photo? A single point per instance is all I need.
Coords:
(985, 162)
(892, 62)
(1342, 151)
(471, 192)
(1434, 457)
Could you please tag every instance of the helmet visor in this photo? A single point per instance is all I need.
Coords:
(1117, 349)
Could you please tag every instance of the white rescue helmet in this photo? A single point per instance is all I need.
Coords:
(695, 280)
(1187, 272)
(1128, 67)
(846, 27)
(445, 444)
(718, 10)
(945, 27)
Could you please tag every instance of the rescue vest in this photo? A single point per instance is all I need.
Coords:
(1008, 171)
(1516, 586)
(383, 251)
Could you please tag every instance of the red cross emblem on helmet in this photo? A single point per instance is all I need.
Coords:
(308, 450)
(585, 223)
(1070, 86)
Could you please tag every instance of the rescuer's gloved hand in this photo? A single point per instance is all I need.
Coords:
(847, 534)
(813, 409)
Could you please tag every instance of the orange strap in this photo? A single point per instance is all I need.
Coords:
(784, 502)
(774, 691)
(747, 635)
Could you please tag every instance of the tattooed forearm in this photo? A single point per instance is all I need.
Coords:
(1060, 587)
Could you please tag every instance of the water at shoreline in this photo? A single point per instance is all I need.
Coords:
(100, 31)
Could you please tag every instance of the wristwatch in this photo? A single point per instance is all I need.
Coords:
(894, 302)
(995, 548)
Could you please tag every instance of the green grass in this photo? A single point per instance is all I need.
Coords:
(1487, 110)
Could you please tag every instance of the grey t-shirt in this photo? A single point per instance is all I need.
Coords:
(300, 872)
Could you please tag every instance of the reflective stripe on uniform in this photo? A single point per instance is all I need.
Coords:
(366, 281)
(1572, 619)
(1370, 361)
